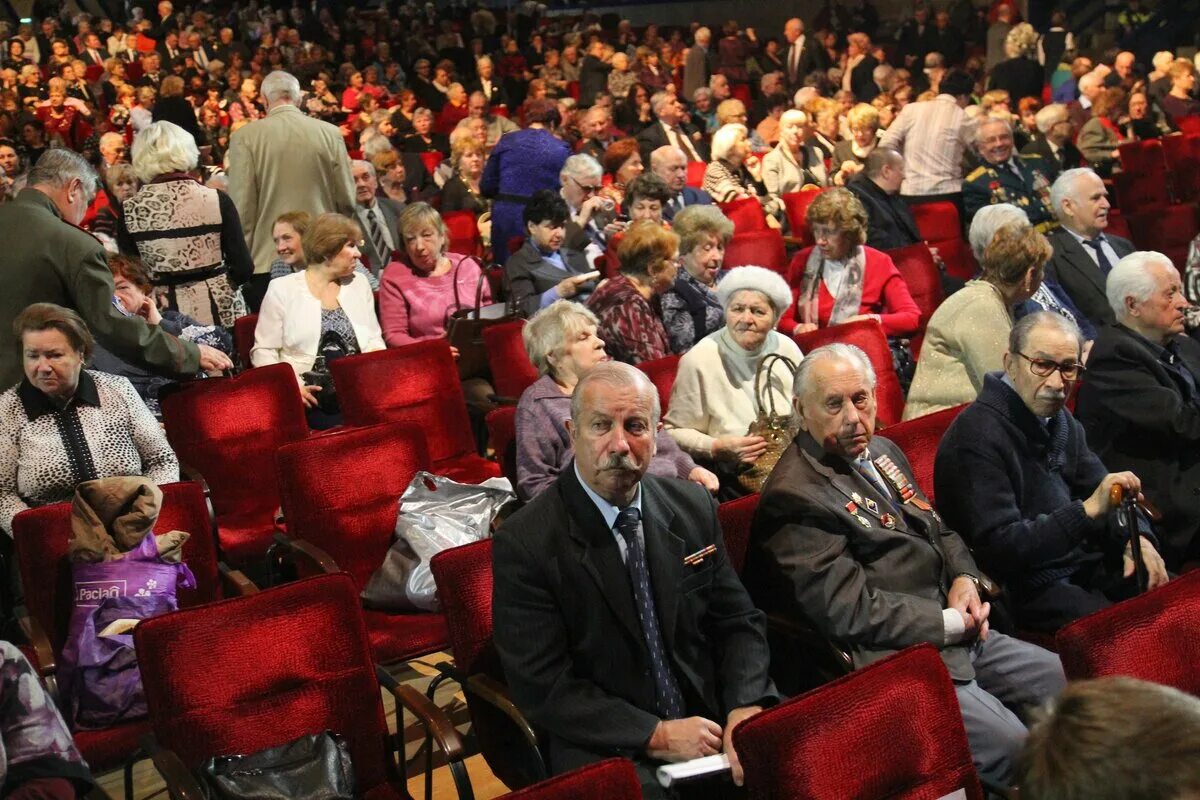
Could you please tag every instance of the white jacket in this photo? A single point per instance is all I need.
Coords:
(289, 322)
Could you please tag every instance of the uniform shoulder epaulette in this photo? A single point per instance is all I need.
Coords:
(977, 172)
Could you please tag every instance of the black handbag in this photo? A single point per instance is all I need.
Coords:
(313, 767)
(465, 326)
(331, 347)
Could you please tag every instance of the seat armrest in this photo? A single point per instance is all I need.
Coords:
(316, 558)
(46, 664)
(495, 694)
(235, 581)
(181, 783)
(437, 725)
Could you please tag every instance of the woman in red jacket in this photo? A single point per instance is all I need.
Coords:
(841, 280)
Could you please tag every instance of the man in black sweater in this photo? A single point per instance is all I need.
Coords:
(1015, 477)
(890, 223)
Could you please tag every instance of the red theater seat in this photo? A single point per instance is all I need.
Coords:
(662, 372)
(868, 336)
(758, 248)
(512, 371)
(796, 205)
(243, 338)
(1169, 230)
(746, 214)
(736, 517)
(939, 226)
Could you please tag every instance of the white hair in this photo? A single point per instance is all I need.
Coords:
(1048, 117)
(549, 332)
(769, 284)
(1090, 79)
(838, 351)
(803, 95)
(358, 162)
(581, 165)
(1064, 187)
(1162, 59)
(1131, 277)
(793, 116)
(725, 138)
(990, 219)
(163, 147)
(987, 121)
(280, 87)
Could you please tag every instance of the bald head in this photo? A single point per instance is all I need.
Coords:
(669, 163)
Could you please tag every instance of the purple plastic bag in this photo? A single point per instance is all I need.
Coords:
(99, 677)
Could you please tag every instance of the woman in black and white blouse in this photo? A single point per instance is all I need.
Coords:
(62, 424)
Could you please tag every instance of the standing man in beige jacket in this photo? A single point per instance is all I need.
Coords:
(286, 161)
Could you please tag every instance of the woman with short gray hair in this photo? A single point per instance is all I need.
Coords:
(188, 235)
(713, 399)
(690, 308)
(735, 173)
(562, 343)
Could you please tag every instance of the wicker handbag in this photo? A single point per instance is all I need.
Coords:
(777, 429)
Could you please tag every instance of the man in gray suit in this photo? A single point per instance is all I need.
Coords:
(844, 539)
(697, 67)
(1083, 253)
(378, 217)
(286, 161)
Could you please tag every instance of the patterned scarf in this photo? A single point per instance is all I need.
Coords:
(848, 301)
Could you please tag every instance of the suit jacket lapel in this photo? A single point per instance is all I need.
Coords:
(1075, 254)
(599, 554)
(854, 487)
(664, 558)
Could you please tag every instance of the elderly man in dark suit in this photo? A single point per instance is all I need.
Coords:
(801, 54)
(844, 539)
(890, 223)
(1006, 177)
(1083, 253)
(1052, 141)
(1029, 496)
(621, 626)
(669, 129)
(377, 216)
(1140, 404)
(669, 163)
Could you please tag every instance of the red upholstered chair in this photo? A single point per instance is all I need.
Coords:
(610, 263)
(40, 538)
(512, 371)
(1169, 230)
(891, 730)
(1182, 154)
(243, 338)
(868, 336)
(257, 672)
(921, 274)
(432, 160)
(464, 233)
(1118, 225)
(758, 248)
(227, 430)
(502, 435)
(1188, 126)
(1154, 636)
(573, 89)
(662, 372)
(746, 214)
(506, 739)
(340, 494)
(736, 517)
(415, 383)
(740, 91)
(919, 439)
(695, 174)
(614, 779)
(939, 226)
(1143, 181)
(796, 205)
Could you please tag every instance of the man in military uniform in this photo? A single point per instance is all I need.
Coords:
(844, 539)
(1006, 176)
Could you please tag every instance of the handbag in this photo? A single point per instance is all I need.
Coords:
(331, 347)
(314, 767)
(465, 326)
(777, 429)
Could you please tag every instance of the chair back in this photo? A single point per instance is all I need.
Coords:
(938, 223)
(512, 371)
(41, 535)
(737, 518)
(1169, 230)
(414, 383)
(612, 779)
(869, 735)
(919, 439)
(463, 233)
(796, 205)
(1183, 161)
(746, 214)
(341, 490)
(432, 160)
(868, 336)
(662, 372)
(610, 262)
(1118, 225)
(247, 674)
(1154, 636)
(228, 430)
(695, 174)
(502, 435)
(243, 338)
(1143, 181)
(1188, 126)
(757, 248)
(922, 276)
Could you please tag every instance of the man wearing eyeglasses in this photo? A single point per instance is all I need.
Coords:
(1014, 476)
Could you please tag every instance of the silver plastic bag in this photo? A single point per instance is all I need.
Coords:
(435, 514)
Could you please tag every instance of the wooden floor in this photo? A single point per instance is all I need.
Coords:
(146, 782)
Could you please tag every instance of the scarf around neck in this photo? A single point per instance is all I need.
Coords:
(848, 301)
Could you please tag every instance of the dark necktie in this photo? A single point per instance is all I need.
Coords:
(670, 700)
(861, 466)
(1175, 364)
(1101, 259)
(375, 231)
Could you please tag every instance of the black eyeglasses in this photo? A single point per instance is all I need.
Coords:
(1044, 368)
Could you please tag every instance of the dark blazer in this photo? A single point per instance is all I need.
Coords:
(862, 80)
(871, 589)
(988, 184)
(1020, 77)
(528, 275)
(653, 136)
(812, 58)
(499, 96)
(457, 196)
(691, 197)
(1068, 156)
(593, 78)
(594, 148)
(391, 213)
(566, 626)
(179, 111)
(890, 223)
(1142, 415)
(1075, 271)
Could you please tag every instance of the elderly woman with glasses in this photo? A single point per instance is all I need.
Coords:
(562, 343)
(713, 399)
(968, 334)
(736, 174)
(691, 309)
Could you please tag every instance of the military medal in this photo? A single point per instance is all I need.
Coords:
(888, 521)
(896, 478)
(852, 506)
(862, 520)
(872, 506)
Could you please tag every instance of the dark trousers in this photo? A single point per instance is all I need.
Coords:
(1048, 608)
(255, 289)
